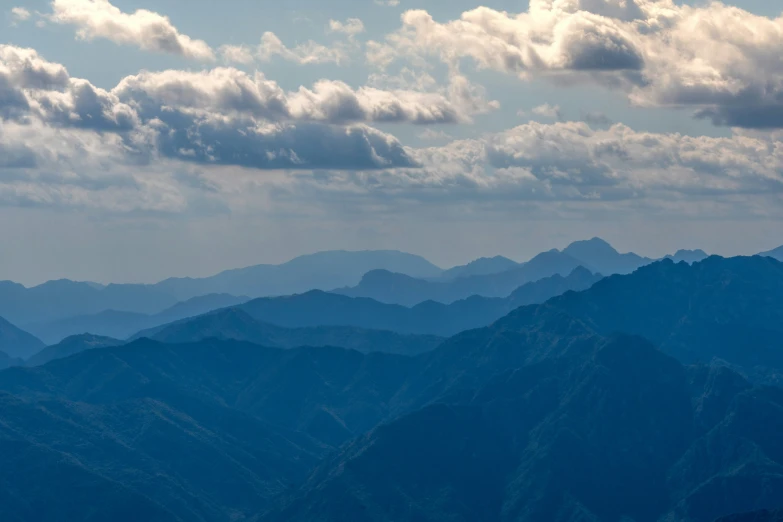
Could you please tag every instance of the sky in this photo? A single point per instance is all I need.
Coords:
(141, 140)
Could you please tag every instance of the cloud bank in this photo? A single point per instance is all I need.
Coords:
(722, 62)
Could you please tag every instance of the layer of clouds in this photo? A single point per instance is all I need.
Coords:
(71, 137)
(723, 62)
(568, 170)
(145, 29)
(229, 92)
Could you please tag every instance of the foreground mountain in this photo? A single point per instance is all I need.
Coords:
(71, 346)
(321, 271)
(551, 422)
(329, 309)
(17, 343)
(209, 432)
(237, 325)
(725, 309)
(121, 325)
(131, 435)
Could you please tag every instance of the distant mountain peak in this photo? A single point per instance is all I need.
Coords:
(595, 246)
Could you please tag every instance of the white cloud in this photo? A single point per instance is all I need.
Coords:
(307, 53)
(350, 27)
(722, 61)
(237, 54)
(391, 3)
(145, 29)
(20, 14)
(548, 111)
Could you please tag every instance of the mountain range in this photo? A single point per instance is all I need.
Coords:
(57, 308)
(595, 255)
(323, 308)
(654, 394)
(523, 420)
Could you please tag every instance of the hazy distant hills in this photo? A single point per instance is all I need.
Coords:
(16, 343)
(600, 256)
(596, 255)
(776, 253)
(491, 277)
(233, 323)
(322, 308)
(321, 271)
(387, 287)
(57, 300)
(479, 267)
(688, 256)
(121, 325)
(60, 299)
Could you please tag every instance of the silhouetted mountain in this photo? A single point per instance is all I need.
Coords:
(756, 516)
(233, 323)
(17, 343)
(600, 256)
(321, 308)
(727, 309)
(388, 287)
(70, 346)
(689, 256)
(321, 271)
(121, 325)
(776, 253)
(481, 266)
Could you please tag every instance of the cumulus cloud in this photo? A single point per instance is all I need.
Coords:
(145, 29)
(32, 86)
(721, 61)
(218, 117)
(229, 92)
(573, 161)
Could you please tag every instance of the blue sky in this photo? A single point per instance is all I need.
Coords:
(192, 137)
